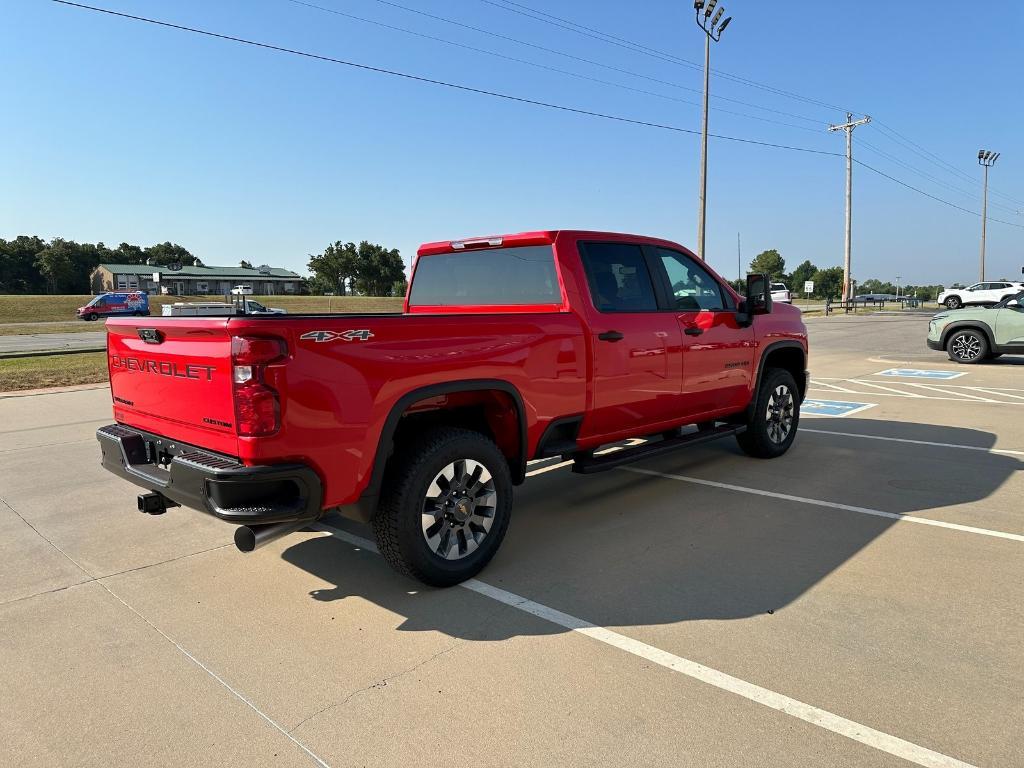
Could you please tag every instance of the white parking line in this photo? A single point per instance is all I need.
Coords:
(692, 669)
(997, 392)
(942, 391)
(830, 504)
(914, 442)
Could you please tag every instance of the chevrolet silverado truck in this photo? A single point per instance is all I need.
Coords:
(508, 349)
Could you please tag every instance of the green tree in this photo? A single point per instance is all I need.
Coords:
(800, 275)
(246, 265)
(56, 263)
(828, 282)
(128, 254)
(770, 262)
(169, 253)
(18, 270)
(379, 270)
(367, 268)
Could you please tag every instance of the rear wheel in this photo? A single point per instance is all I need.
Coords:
(953, 302)
(967, 346)
(446, 506)
(776, 415)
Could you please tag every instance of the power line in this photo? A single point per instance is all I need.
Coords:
(538, 65)
(603, 65)
(933, 197)
(499, 95)
(433, 81)
(893, 135)
(591, 32)
(580, 29)
(892, 158)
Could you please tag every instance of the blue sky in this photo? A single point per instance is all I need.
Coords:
(116, 130)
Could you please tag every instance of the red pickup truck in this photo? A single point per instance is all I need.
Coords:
(508, 349)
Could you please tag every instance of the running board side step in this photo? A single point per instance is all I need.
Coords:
(588, 464)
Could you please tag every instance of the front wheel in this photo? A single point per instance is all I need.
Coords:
(445, 508)
(772, 425)
(92, 316)
(967, 346)
(953, 302)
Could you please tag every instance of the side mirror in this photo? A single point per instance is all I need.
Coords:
(759, 295)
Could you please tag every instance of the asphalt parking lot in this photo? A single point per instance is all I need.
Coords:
(858, 602)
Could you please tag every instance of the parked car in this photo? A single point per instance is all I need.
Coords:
(979, 293)
(242, 290)
(984, 333)
(876, 297)
(781, 293)
(111, 304)
(512, 348)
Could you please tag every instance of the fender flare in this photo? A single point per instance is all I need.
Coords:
(772, 347)
(979, 325)
(368, 499)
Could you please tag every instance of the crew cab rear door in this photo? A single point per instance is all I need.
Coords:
(637, 367)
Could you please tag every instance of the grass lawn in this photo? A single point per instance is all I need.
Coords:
(52, 370)
(32, 309)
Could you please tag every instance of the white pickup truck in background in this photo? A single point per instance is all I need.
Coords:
(218, 309)
(781, 293)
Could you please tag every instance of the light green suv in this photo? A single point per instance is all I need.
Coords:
(980, 333)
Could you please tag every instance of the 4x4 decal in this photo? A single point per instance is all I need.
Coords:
(351, 335)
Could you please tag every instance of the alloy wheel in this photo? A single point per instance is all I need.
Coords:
(780, 414)
(966, 346)
(458, 510)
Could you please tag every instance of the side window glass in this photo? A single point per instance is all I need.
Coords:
(690, 285)
(618, 277)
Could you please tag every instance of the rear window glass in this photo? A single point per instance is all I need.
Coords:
(523, 275)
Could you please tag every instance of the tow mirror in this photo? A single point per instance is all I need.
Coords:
(759, 295)
(756, 301)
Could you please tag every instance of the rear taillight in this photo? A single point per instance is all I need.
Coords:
(257, 405)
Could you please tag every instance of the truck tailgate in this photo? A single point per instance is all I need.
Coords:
(173, 377)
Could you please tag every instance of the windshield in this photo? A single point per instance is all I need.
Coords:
(96, 300)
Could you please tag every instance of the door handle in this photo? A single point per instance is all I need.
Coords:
(610, 336)
(693, 331)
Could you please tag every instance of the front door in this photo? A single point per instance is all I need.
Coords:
(718, 354)
(1010, 324)
(636, 347)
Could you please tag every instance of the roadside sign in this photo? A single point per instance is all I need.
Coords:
(808, 286)
(156, 277)
(834, 408)
(921, 373)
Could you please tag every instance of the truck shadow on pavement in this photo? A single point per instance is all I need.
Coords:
(626, 549)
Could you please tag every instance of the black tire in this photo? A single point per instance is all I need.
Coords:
(953, 302)
(401, 535)
(967, 346)
(92, 316)
(766, 436)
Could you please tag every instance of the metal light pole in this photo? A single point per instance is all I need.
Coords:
(708, 24)
(986, 159)
(848, 126)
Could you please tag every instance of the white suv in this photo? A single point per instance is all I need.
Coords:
(979, 293)
(781, 293)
